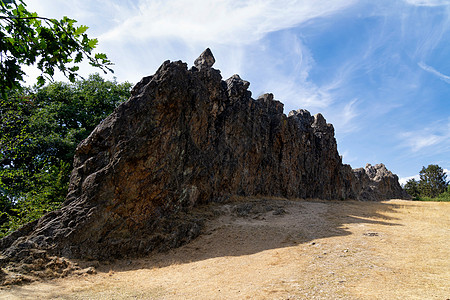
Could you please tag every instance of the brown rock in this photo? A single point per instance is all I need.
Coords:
(186, 137)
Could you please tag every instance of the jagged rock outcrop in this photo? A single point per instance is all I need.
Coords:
(377, 182)
(205, 61)
(186, 137)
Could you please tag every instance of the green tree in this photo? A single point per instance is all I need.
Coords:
(432, 181)
(39, 132)
(412, 188)
(49, 44)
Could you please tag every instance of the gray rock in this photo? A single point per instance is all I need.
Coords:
(279, 211)
(377, 182)
(237, 88)
(205, 61)
(243, 210)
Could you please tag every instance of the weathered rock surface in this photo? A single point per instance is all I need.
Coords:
(377, 183)
(184, 138)
(205, 60)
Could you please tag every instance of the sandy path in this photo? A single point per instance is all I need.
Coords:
(280, 249)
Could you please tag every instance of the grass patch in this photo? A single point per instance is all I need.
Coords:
(444, 197)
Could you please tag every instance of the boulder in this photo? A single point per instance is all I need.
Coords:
(205, 61)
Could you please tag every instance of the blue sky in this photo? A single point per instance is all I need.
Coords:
(379, 71)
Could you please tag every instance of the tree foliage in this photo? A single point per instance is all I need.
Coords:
(432, 181)
(50, 44)
(432, 185)
(412, 188)
(41, 127)
(39, 131)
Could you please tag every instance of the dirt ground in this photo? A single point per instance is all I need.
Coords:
(279, 249)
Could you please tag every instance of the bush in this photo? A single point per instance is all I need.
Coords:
(443, 197)
(432, 185)
(39, 132)
(412, 188)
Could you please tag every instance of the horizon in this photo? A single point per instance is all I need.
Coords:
(379, 72)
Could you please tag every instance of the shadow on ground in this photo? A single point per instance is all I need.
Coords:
(250, 226)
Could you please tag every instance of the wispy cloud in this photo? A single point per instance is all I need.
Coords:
(232, 29)
(221, 22)
(433, 71)
(139, 35)
(303, 94)
(286, 73)
(296, 89)
(428, 2)
(418, 141)
(436, 136)
(347, 157)
(348, 114)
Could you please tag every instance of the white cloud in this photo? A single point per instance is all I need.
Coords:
(433, 71)
(156, 30)
(428, 2)
(139, 35)
(348, 114)
(217, 22)
(418, 141)
(403, 180)
(300, 94)
(437, 135)
(284, 71)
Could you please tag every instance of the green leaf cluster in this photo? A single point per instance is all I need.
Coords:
(40, 129)
(432, 185)
(443, 197)
(49, 44)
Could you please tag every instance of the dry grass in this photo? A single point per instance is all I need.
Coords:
(316, 250)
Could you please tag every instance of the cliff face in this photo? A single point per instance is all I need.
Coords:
(186, 137)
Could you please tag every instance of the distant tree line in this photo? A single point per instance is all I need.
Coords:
(433, 185)
(40, 129)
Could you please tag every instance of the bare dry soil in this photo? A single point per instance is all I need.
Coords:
(281, 249)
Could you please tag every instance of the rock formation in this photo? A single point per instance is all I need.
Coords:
(377, 183)
(184, 138)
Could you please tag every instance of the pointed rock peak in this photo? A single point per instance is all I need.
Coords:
(301, 113)
(377, 172)
(237, 80)
(266, 97)
(205, 61)
(303, 117)
(236, 87)
(319, 121)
